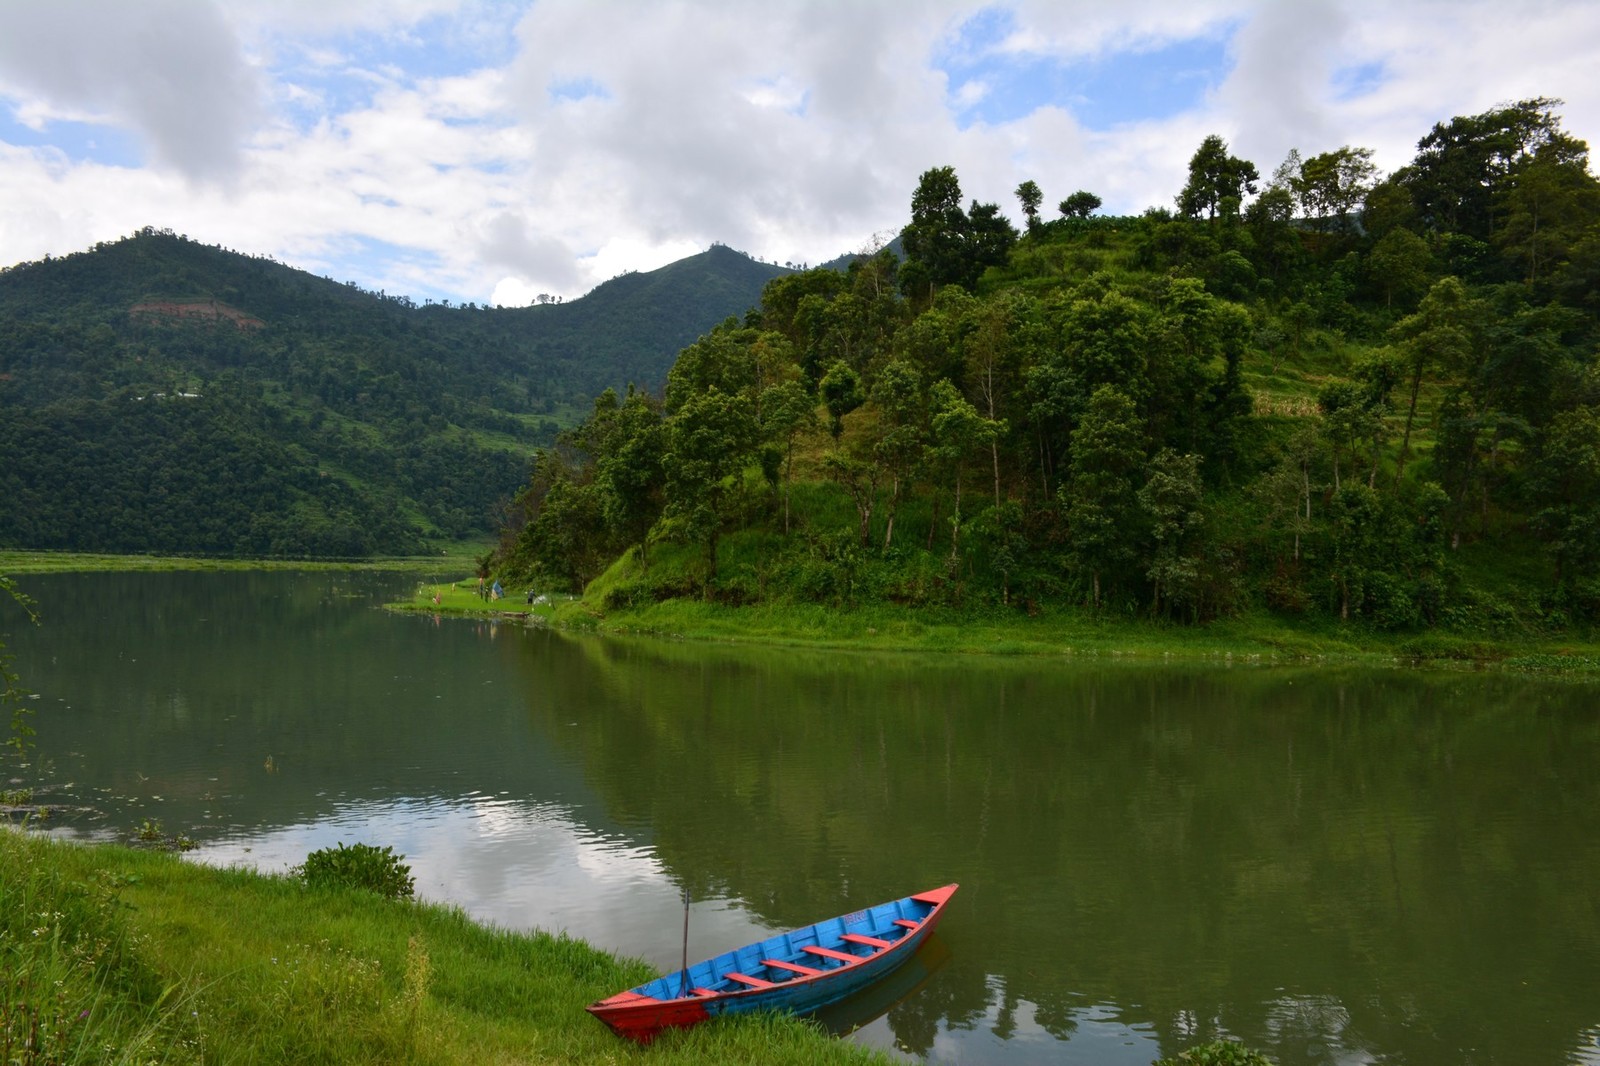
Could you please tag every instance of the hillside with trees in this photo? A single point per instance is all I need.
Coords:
(1316, 391)
(160, 395)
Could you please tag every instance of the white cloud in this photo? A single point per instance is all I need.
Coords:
(493, 150)
(171, 70)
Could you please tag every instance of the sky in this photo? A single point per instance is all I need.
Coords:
(489, 151)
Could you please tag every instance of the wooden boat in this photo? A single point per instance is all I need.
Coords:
(795, 972)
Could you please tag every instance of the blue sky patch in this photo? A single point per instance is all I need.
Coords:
(436, 47)
(578, 89)
(1351, 82)
(1101, 92)
(375, 265)
(80, 142)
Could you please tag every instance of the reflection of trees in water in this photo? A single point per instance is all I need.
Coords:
(1318, 862)
(1313, 861)
(182, 685)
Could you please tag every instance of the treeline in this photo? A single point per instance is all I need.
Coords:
(1311, 392)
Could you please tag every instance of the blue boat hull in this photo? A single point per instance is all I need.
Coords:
(796, 972)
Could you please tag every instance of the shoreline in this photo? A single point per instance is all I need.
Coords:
(1068, 634)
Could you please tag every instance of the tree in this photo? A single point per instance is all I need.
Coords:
(841, 393)
(935, 238)
(949, 246)
(1170, 499)
(1080, 204)
(720, 359)
(788, 412)
(1551, 202)
(1100, 498)
(902, 430)
(1330, 185)
(1284, 492)
(1215, 178)
(990, 238)
(709, 442)
(566, 542)
(1031, 197)
(1002, 335)
(1564, 483)
(1399, 262)
(859, 480)
(629, 472)
(959, 431)
(1463, 167)
(1438, 335)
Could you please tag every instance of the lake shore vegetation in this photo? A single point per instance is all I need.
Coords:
(112, 954)
(1327, 409)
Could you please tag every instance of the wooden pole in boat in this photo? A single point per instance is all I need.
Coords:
(683, 981)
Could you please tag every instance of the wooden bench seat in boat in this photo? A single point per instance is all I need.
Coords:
(803, 971)
(829, 953)
(746, 979)
(869, 941)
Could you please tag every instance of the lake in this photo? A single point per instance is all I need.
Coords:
(1334, 865)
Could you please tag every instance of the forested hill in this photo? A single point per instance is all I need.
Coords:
(157, 394)
(1316, 390)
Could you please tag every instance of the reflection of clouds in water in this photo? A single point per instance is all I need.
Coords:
(1010, 1032)
(517, 865)
(1318, 1022)
(1587, 1053)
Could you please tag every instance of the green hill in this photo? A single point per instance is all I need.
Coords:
(1329, 395)
(157, 394)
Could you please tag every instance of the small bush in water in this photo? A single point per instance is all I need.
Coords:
(359, 866)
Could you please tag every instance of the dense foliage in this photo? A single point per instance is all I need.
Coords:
(157, 394)
(363, 866)
(1314, 394)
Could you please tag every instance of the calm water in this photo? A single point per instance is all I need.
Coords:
(1335, 866)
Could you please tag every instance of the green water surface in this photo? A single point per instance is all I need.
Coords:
(1336, 866)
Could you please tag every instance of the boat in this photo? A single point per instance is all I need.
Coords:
(795, 972)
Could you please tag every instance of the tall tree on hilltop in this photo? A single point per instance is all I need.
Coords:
(1080, 204)
(1030, 196)
(1462, 168)
(1215, 180)
(1333, 184)
(1550, 206)
(948, 246)
(934, 239)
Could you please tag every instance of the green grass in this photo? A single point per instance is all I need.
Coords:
(110, 955)
(461, 597)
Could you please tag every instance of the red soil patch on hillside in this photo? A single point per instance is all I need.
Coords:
(195, 310)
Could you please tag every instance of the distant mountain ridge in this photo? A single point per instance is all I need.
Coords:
(327, 420)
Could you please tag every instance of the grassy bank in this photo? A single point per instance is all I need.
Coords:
(1082, 634)
(1075, 634)
(111, 955)
(1058, 632)
(461, 597)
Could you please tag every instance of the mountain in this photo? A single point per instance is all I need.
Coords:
(158, 394)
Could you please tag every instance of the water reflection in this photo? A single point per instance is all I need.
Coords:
(519, 865)
(1337, 866)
